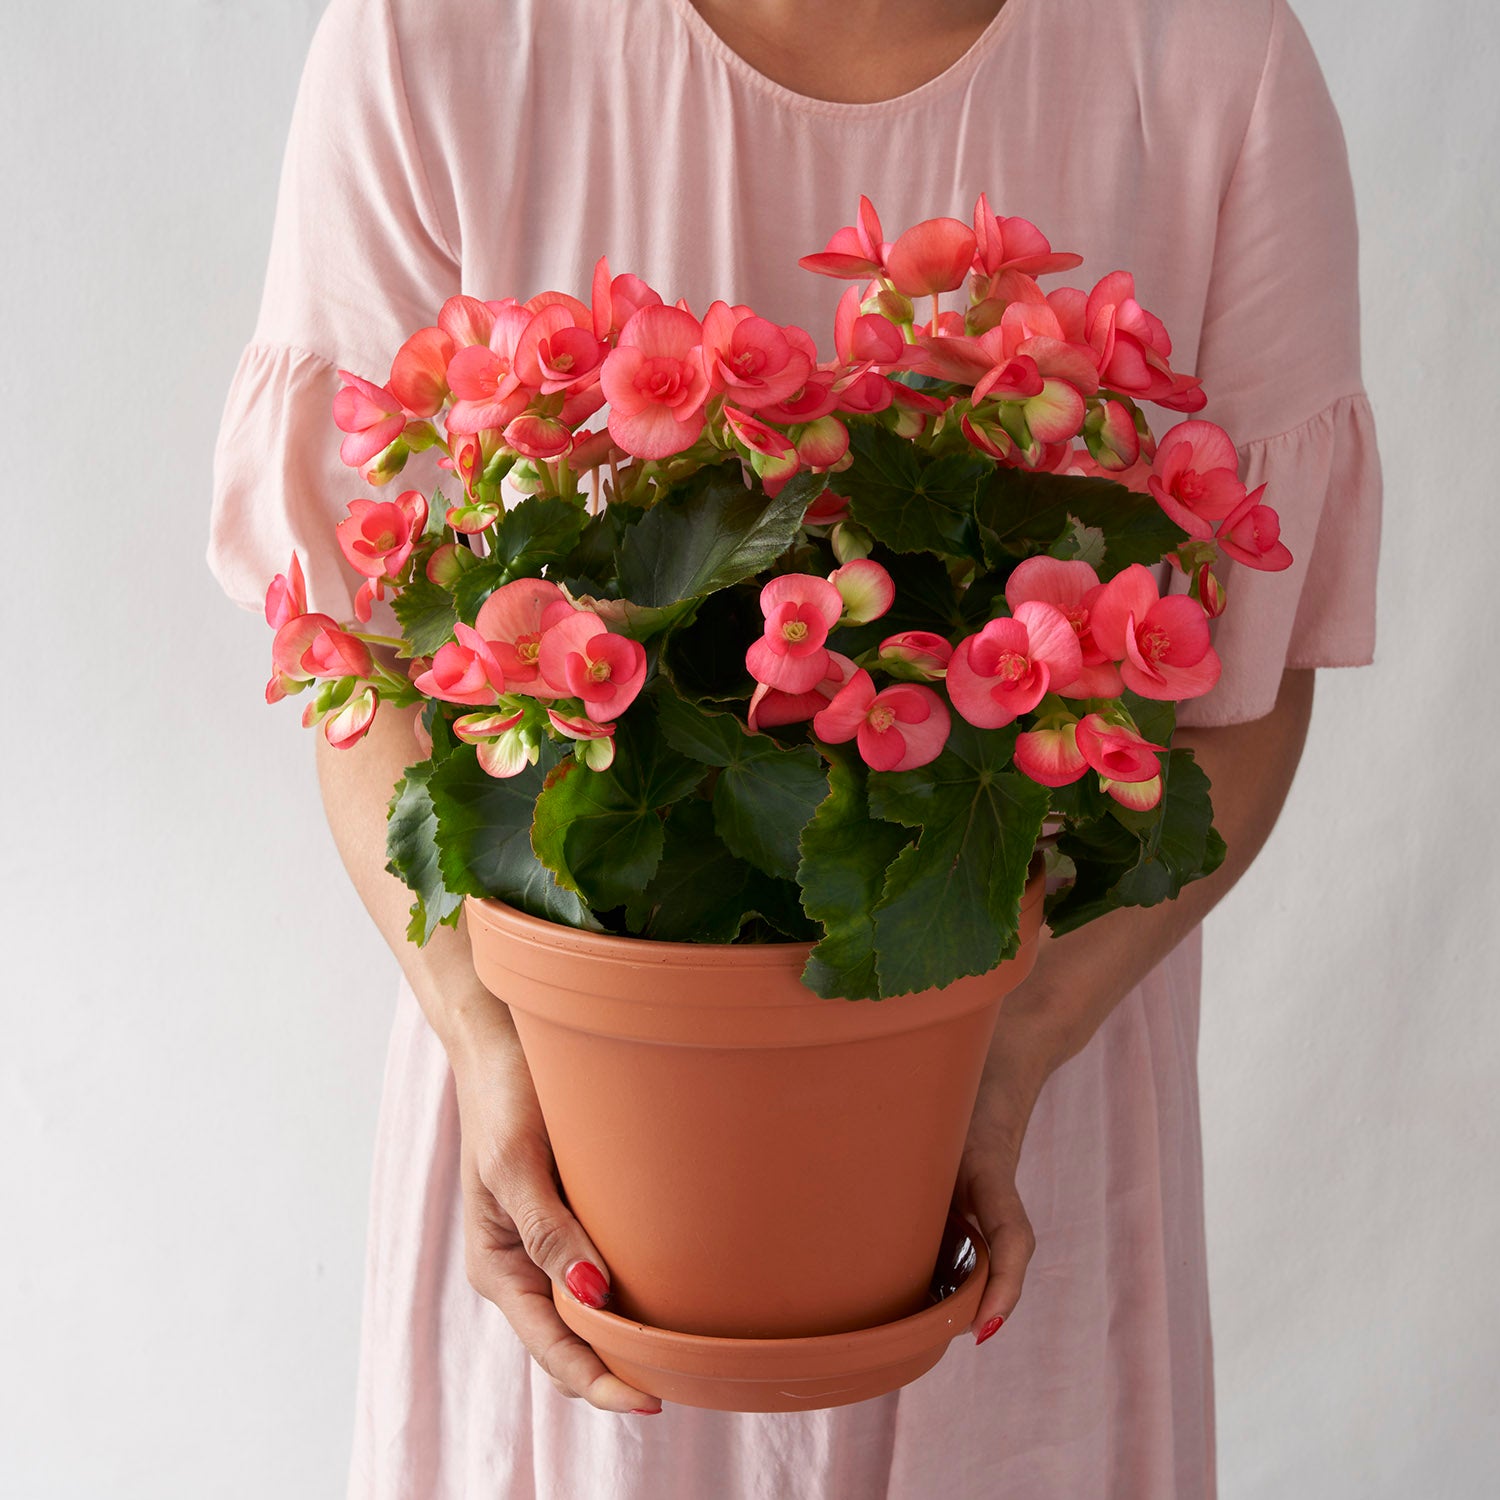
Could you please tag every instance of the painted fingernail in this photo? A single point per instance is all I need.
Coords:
(992, 1327)
(645, 1411)
(587, 1284)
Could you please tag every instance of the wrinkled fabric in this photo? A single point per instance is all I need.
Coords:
(499, 149)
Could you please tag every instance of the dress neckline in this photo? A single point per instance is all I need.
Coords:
(956, 73)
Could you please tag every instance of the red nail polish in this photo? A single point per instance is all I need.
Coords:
(992, 1327)
(587, 1283)
(645, 1411)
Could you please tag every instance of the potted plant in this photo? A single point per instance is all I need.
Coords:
(749, 715)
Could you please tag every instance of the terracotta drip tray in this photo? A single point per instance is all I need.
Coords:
(839, 1369)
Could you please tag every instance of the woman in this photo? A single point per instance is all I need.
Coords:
(705, 145)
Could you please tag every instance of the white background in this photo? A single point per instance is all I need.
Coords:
(194, 1004)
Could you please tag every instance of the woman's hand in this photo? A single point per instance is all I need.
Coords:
(986, 1189)
(519, 1238)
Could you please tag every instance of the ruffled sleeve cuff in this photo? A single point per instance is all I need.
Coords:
(1323, 478)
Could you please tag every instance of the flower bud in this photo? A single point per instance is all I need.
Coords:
(851, 542)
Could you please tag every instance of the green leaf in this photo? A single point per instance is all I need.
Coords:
(476, 584)
(437, 515)
(540, 529)
(593, 555)
(952, 903)
(484, 834)
(1022, 513)
(701, 893)
(712, 533)
(1140, 860)
(764, 794)
(411, 845)
(845, 855)
(600, 832)
(705, 658)
(426, 613)
(909, 501)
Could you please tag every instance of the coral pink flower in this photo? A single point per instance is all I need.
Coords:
(1142, 796)
(370, 415)
(1014, 245)
(916, 653)
(903, 727)
(773, 455)
(1006, 669)
(800, 610)
(770, 706)
(1071, 587)
(616, 299)
(463, 671)
(1133, 347)
(931, 257)
(352, 722)
(511, 620)
(286, 598)
(1162, 645)
(596, 744)
(468, 321)
(419, 373)
(1051, 757)
(579, 658)
(377, 536)
(504, 749)
(854, 251)
(655, 383)
(557, 350)
(828, 509)
(1252, 535)
(1117, 751)
(1195, 477)
(310, 646)
(538, 437)
(866, 589)
(489, 391)
(750, 360)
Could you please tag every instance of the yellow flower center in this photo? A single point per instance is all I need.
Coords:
(795, 630)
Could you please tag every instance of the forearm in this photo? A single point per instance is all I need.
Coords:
(1081, 977)
(357, 784)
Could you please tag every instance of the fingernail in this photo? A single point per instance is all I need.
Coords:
(587, 1283)
(645, 1411)
(992, 1327)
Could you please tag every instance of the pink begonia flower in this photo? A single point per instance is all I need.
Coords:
(1117, 751)
(868, 393)
(655, 383)
(310, 646)
(468, 321)
(616, 299)
(1002, 244)
(773, 455)
(377, 536)
(800, 609)
(1072, 587)
(1054, 414)
(749, 359)
(352, 722)
(419, 372)
(370, 415)
(557, 350)
(1111, 435)
(1051, 757)
(770, 706)
(1162, 644)
(1195, 477)
(512, 620)
(1140, 795)
(286, 598)
(535, 437)
(579, 658)
(855, 251)
(931, 257)
(1252, 535)
(1133, 347)
(1009, 666)
(464, 671)
(821, 444)
(826, 510)
(866, 589)
(898, 729)
(483, 377)
(596, 744)
(918, 653)
(503, 748)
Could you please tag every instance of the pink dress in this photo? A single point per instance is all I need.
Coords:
(1190, 141)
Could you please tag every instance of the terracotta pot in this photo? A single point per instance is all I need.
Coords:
(753, 1161)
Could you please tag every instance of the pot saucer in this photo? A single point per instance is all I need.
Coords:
(808, 1374)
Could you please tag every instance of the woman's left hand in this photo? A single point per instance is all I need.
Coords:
(986, 1189)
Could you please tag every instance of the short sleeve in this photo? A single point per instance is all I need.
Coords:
(358, 262)
(1279, 359)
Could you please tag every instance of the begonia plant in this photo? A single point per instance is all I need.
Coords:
(786, 649)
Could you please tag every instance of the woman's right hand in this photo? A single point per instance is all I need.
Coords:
(519, 1237)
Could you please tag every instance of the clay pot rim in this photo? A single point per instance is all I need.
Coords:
(541, 932)
(780, 1361)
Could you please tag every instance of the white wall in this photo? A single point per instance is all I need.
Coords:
(189, 1076)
